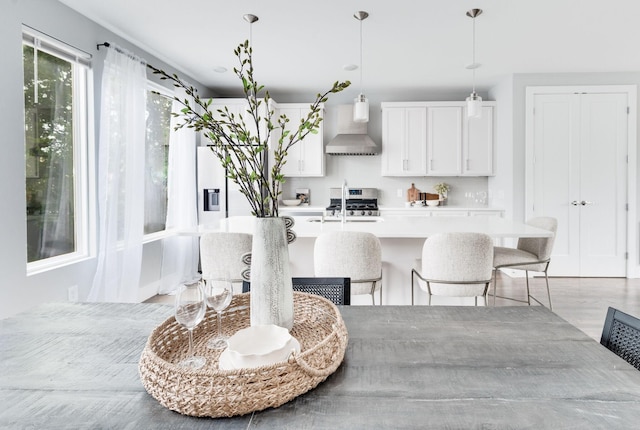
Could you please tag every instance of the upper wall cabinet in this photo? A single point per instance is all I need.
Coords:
(458, 145)
(404, 139)
(478, 143)
(436, 139)
(305, 158)
(444, 140)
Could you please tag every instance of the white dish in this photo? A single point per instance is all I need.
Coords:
(225, 361)
(433, 202)
(259, 345)
(291, 202)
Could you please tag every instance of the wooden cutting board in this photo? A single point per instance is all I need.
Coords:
(413, 194)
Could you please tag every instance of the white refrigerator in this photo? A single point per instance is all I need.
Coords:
(218, 196)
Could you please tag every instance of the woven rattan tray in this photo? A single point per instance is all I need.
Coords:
(208, 391)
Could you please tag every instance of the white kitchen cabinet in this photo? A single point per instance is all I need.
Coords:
(458, 145)
(404, 140)
(305, 158)
(437, 139)
(486, 213)
(478, 143)
(444, 140)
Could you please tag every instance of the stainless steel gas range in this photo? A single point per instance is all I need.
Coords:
(359, 202)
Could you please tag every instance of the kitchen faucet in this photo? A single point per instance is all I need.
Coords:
(343, 212)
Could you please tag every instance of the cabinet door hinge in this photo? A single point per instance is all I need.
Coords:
(628, 110)
(626, 207)
(626, 255)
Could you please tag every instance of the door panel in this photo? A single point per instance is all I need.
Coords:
(603, 184)
(444, 140)
(555, 177)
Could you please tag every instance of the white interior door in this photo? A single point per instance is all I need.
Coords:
(579, 174)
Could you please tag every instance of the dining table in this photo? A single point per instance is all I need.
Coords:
(75, 366)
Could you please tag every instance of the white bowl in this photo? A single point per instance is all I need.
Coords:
(260, 345)
(291, 202)
(433, 202)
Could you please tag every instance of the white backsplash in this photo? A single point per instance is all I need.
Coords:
(364, 171)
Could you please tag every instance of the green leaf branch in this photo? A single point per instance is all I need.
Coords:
(242, 143)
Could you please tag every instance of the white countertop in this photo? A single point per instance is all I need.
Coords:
(420, 208)
(417, 208)
(393, 226)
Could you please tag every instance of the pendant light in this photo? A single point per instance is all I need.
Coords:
(361, 104)
(474, 101)
(250, 18)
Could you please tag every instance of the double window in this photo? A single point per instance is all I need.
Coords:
(58, 154)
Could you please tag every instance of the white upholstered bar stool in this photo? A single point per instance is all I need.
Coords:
(455, 265)
(350, 254)
(531, 255)
(221, 256)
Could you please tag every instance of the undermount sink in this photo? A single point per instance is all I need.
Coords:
(352, 219)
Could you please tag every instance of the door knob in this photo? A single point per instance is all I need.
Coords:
(575, 203)
(586, 202)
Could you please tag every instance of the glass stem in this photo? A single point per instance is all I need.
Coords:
(219, 324)
(190, 343)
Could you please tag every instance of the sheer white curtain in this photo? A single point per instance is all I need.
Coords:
(120, 178)
(179, 252)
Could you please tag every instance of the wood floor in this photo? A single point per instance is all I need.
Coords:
(582, 302)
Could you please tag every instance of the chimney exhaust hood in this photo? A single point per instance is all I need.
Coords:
(352, 138)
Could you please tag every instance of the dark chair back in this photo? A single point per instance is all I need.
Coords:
(337, 290)
(621, 334)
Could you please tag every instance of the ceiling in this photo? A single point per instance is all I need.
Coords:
(303, 46)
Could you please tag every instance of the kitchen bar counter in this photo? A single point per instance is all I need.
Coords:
(75, 366)
(405, 227)
(401, 237)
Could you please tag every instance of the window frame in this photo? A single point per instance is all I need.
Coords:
(84, 198)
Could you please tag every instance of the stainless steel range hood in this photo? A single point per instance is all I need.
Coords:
(352, 138)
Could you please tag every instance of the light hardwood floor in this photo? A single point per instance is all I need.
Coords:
(582, 302)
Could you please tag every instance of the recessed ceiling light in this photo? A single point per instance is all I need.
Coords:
(350, 67)
(220, 69)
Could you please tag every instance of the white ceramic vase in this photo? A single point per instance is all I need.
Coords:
(271, 287)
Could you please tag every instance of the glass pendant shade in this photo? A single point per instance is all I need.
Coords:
(361, 109)
(474, 106)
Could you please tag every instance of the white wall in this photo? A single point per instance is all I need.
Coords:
(17, 290)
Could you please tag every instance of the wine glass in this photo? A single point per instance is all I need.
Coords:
(219, 293)
(190, 310)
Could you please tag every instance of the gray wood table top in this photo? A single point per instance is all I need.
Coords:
(74, 366)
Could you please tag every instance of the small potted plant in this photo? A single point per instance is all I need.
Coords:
(442, 188)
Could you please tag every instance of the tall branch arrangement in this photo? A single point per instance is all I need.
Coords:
(243, 146)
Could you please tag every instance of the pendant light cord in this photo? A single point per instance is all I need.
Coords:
(361, 87)
(473, 47)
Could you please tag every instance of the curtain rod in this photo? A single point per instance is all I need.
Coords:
(122, 51)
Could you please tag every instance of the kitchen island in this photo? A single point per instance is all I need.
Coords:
(401, 237)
